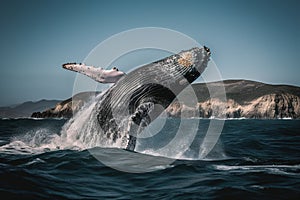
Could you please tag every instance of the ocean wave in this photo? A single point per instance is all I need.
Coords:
(32, 118)
(34, 161)
(242, 118)
(272, 169)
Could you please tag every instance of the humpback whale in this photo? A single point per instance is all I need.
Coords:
(139, 97)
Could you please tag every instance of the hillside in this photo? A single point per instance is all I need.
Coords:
(243, 91)
(27, 108)
(244, 98)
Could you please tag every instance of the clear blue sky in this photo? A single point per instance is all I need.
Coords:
(257, 40)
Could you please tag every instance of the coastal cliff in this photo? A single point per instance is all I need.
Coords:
(244, 98)
(269, 106)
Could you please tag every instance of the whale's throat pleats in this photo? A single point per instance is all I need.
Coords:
(145, 104)
(144, 99)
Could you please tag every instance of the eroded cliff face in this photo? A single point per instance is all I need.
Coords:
(274, 106)
(269, 106)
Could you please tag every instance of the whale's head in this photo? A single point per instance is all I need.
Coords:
(192, 63)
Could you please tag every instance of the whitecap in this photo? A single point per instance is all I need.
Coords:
(271, 169)
(257, 186)
(36, 160)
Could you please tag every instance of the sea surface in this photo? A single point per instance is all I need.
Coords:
(252, 159)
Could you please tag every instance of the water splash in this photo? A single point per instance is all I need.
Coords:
(80, 132)
(33, 142)
(164, 137)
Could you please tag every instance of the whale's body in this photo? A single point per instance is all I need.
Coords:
(139, 97)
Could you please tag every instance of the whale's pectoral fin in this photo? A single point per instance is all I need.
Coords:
(98, 74)
(139, 120)
(131, 143)
(146, 104)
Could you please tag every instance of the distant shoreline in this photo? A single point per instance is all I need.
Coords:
(245, 99)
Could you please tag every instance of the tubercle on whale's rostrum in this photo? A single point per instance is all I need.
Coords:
(70, 65)
(65, 64)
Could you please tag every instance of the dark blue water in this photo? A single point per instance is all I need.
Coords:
(253, 159)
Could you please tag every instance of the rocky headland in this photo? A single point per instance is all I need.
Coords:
(66, 108)
(244, 98)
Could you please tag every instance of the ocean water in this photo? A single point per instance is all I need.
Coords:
(253, 159)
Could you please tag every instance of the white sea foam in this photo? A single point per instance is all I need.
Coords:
(38, 143)
(286, 118)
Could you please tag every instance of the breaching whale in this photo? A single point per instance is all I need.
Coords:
(139, 97)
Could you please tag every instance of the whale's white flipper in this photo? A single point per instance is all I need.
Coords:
(98, 74)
